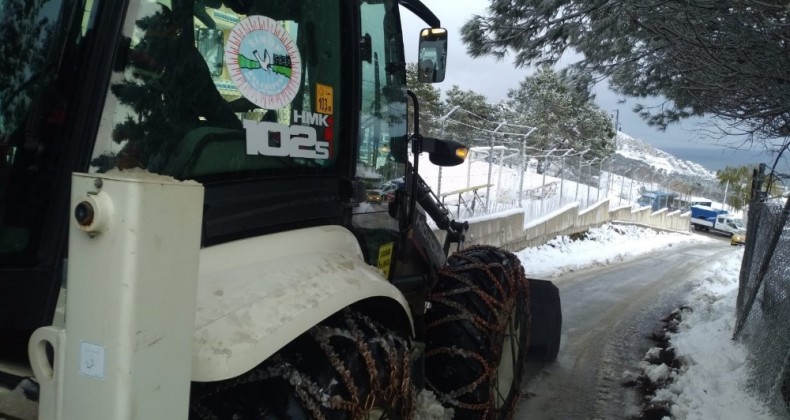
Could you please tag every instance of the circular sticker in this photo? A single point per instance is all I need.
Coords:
(263, 62)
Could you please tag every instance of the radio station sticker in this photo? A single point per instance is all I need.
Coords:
(263, 62)
(324, 99)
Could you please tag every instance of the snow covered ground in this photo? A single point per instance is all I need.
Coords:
(710, 385)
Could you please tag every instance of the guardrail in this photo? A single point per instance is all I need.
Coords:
(509, 230)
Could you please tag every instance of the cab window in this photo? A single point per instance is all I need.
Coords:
(382, 146)
(219, 89)
(31, 113)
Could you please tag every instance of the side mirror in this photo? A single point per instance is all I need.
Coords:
(432, 56)
(444, 152)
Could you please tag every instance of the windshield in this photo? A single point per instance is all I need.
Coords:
(382, 145)
(645, 201)
(226, 90)
(382, 135)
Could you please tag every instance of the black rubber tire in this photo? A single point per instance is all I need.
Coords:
(479, 317)
(347, 367)
(784, 389)
(546, 328)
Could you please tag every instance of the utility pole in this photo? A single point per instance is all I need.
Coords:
(490, 163)
(589, 178)
(469, 169)
(600, 176)
(589, 175)
(543, 184)
(562, 173)
(622, 185)
(579, 179)
(523, 167)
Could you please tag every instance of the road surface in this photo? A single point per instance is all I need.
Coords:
(608, 314)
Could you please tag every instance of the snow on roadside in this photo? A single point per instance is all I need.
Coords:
(710, 384)
(610, 243)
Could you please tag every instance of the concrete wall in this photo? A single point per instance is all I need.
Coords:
(674, 221)
(496, 231)
(510, 231)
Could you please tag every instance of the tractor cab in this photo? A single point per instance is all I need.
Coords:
(262, 102)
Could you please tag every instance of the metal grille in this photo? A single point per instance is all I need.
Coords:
(763, 306)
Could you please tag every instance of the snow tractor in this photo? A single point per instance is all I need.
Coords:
(186, 229)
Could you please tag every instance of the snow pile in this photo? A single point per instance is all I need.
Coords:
(598, 247)
(429, 408)
(710, 383)
(657, 374)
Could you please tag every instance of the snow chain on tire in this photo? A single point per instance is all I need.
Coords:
(480, 295)
(344, 368)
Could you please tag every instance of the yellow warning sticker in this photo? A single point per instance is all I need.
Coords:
(324, 99)
(385, 258)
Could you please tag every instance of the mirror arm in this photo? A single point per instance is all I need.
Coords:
(428, 144)
(416, 145)
(416, 111)
(422, 11)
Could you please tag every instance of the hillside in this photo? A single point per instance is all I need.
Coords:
(632, 149)
(638, 160)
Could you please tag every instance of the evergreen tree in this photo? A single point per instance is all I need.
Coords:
(472, 122)
(430, 102)
(721, 58)
(563, 118)
(23, 67)
(738, 182)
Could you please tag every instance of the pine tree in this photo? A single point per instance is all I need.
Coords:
(475, 118)
(564, 118)
(430, 102)
(723, 59)
(23, 64)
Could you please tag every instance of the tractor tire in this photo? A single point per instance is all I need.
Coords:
(477, 333)
(546, 328)
(347, 367)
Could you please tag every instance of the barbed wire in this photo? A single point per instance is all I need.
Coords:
(486, 130)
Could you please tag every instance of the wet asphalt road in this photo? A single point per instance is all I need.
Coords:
(608, 315)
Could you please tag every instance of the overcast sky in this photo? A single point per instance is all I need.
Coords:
(493, 79)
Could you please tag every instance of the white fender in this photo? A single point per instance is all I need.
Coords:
(256, 295)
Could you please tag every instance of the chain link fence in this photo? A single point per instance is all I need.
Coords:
(763, 306)
(506, 170)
